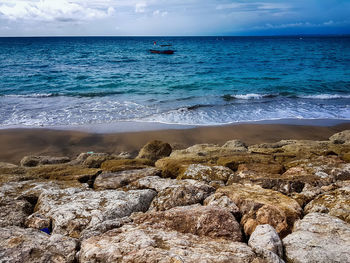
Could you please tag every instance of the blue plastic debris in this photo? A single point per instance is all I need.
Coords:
(46, 230)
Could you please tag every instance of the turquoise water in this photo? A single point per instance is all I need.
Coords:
(208, 81)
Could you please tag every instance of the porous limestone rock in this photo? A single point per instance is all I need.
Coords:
(234, 160)
(14, 212)
(155, 150)
(266, 237)
(262, 206)
(143, 244)
(19, 245)
(32, 160)
(72, 210)
(341, 137)
(122, 178)
(318, 238)
(210, 221)
(206, 173)
(172, 193)
(335, 203)
(221, 200)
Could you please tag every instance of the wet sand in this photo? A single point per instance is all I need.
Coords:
(16, 143)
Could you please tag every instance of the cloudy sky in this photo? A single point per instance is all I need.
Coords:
(173, 17)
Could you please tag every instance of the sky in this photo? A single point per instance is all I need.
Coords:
(173, 17)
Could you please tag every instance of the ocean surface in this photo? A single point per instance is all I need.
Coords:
(64, 81)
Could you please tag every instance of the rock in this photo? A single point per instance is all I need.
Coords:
(122, 178)
(125, 164)
(64, 173)
(221, 200)
(266, 237)
(31, 245)
(7, 166)
(38, 221)
(30, 161)
(318, 238)
(210, 221)
(155, 150)
(206, 173)
(233, 161)
(235, 145)
(103, 227)
(73, 210)
(174, 167)
(341, 137)
(262, 206)
(95, 160)
(172, 193)
(142, 244)
(14, 212)
(335, 203)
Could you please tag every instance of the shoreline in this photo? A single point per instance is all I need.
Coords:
(17, 143)
(143, 126)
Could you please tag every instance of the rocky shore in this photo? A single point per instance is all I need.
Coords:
(287, 201)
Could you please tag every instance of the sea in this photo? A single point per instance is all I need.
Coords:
(68, 81)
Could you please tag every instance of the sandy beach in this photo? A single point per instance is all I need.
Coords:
(16, 143)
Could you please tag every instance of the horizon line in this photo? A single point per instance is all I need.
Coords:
(282, 35)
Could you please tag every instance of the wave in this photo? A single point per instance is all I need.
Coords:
(325, 96)
(254, 96)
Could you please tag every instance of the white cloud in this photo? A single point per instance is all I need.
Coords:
(256, 6)
(160, 13)
(140, 7)
(52, 10)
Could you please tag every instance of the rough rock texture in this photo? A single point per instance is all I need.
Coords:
(266, 237)
(19, 245)
(125, 164)
(341, 137)
(261, 206)
(172, 193)
(199, 220)
(122, 178)
(14, 212)
(335, 203)
(155, 150)
(206, 173)
(64, 173)
(234, 160)
(31, 161)
(221, 200)
(140, 244)
(318, 238)
(72, 210)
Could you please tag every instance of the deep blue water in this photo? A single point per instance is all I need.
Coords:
(209, 80)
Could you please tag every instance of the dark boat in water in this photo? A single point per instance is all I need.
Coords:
(167, 52)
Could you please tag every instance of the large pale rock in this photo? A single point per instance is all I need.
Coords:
(221, 200)
(31, 161)
(172, 193)
(318, 238)
(19, 245)
(206, 173)
(14, 212)
(266, 237)
(122, 178)
(262, 206)
(73, 210)
(211, 221)
(335, 203)
(341, 137)
(155, 150)
(143, 244)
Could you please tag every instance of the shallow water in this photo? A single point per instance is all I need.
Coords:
(208, 81)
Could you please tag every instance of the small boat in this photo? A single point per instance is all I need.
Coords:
(167, 52)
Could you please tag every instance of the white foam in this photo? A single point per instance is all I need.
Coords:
(325, 96)
(249, 96)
